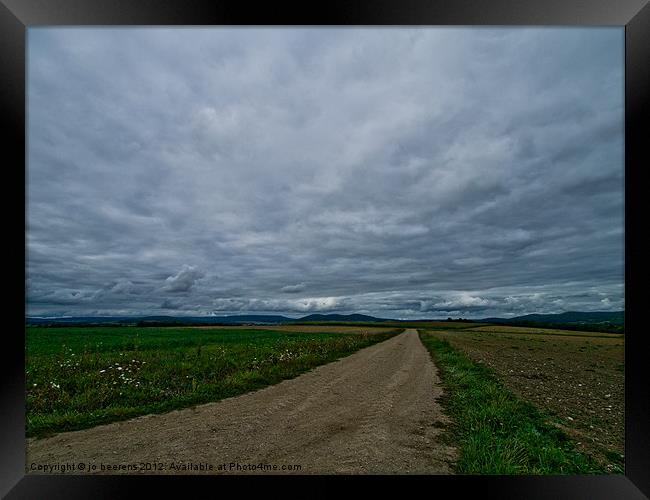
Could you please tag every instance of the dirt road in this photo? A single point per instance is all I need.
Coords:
(375, 411)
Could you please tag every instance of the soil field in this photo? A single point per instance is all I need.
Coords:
(577, 378)
(543, 331)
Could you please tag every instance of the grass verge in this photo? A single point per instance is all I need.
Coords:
(82, 377)
(496, 432)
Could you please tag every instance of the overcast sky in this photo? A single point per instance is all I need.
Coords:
(397, 172)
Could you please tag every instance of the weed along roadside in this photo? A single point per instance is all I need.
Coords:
(78, 378)
(496, 432)
(577, 380)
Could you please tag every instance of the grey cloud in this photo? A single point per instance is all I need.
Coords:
(293, 288)
(404, 172)
(127, 287)
(304, 305)
(184, 280)
(168, 304)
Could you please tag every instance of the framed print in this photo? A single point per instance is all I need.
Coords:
(363, 242)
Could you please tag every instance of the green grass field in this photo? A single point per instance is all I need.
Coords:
(80, 377)
(496, 432)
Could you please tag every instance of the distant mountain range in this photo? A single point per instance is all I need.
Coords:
(567, 318)
(256, 319)
(573, 318)
(341, 317)
(234, 320)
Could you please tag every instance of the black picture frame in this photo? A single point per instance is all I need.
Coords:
(16, 16)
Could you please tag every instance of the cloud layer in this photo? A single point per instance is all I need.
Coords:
(397, 172)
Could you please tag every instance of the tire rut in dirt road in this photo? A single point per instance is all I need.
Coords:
(375, 411)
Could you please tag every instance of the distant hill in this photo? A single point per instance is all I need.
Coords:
(597, 321)
(339, 317)
(572, 317)
(36, 320)
(257, 319)
(254, 319)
